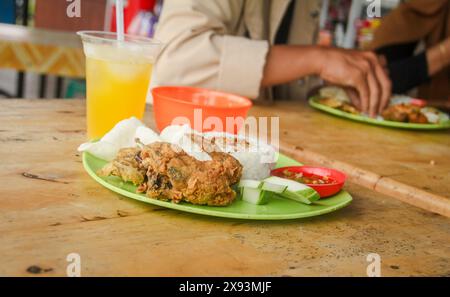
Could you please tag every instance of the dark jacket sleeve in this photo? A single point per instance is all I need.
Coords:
(406, 70)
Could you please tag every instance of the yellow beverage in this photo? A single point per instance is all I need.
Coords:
(115, 91)
(117, 78)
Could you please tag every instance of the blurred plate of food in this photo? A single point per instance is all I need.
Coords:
(214, 174)
(403, 112)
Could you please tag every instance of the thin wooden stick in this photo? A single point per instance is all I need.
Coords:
(385, 185)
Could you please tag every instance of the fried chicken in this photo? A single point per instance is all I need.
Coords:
(125, 166)
(337, 104)
(169, 173)
(331, 102)
(407, 113)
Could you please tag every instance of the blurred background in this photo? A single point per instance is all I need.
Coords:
(41, 57)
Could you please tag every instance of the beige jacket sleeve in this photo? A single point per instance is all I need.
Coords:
(202, 47)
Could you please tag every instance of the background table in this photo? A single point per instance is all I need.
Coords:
(49, 207)
(41, 51)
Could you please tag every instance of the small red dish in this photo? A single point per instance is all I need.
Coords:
(325, 190)
(418, 102)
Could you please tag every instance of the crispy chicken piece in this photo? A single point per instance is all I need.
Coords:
(331, 102)
(349, 108)
(125, 166)
(338, 104)
(171, 174)
(418, 117)
(406, 113)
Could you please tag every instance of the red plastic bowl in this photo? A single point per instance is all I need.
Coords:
(205, 110)
(324, 190)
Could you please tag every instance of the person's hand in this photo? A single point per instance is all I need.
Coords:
(361, 73)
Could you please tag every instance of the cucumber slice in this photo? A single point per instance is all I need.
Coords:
(249, 183)
(275, 188)
(254, 196)
(295, 190)
(291, 184)
(306, 197)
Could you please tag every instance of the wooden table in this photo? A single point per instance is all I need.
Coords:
(49, 207)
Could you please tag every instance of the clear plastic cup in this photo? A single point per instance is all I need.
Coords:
(117, 78)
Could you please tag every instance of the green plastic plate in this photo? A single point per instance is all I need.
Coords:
(276, 209)
(313, 102)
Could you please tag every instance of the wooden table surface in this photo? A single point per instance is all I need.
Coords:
(49, 207)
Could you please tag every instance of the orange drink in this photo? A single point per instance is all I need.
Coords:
(117, 77)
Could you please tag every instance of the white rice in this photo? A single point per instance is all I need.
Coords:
(256, 157)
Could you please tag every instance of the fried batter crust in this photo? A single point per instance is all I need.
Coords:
(168, 173)
(404, 113)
